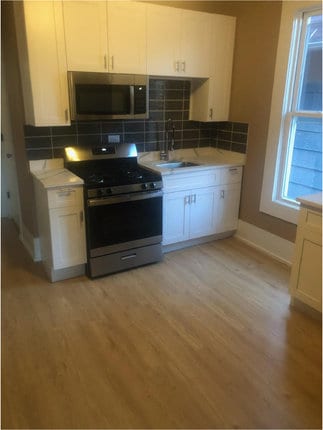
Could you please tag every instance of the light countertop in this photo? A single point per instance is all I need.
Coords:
(206, 158)
(52, 174)
(313, 201)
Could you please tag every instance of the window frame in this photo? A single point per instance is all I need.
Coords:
(284, 99)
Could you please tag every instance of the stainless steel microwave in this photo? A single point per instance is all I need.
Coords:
(107, 96)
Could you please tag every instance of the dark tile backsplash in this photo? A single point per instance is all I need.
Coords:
(167, 99)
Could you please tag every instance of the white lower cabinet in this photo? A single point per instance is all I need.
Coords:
(61, 225)
(67, 236)
(191, 213)
(188, 215)
(226, 209)
(201, 204)
(306, 274)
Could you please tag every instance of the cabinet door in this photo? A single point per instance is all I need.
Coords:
(175, 217)
(163, 40)
(42, 62)
(195, 44)
(127, 37)
(210, 100)
(85, 25)
(309, 284)
(202, 219)
(223, 35)
(306, 274)
(227, 203)
(67, 236)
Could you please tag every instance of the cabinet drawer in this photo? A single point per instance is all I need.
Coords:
(64, 197)
(231, 175)
(188, 181)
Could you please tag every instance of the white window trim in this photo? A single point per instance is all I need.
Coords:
(283, 210)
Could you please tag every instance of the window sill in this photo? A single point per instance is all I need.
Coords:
(281, 210)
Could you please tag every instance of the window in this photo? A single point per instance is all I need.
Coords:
(296, 162)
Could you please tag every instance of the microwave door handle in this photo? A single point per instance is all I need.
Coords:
(132, 99)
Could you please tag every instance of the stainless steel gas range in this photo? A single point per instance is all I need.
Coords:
(123, 207)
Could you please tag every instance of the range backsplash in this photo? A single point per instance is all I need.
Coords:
(167, 99)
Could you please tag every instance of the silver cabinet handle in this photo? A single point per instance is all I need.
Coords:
(128, 257)
(211, 113)
(233, 169)
(105, 61)
(192, 198)
(183, 66)
(222, 194)
(66, 115)
(112, 62)
(187, 200)
(177, 66)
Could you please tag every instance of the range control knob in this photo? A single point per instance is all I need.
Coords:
(102, 192)
(152, 185)
(144, 186)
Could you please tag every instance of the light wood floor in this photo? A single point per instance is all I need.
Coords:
(205, 339)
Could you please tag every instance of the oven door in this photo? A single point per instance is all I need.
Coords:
(123, 222)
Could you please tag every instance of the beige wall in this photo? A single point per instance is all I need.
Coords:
(252, 81)
(16, 112)
(253, 74)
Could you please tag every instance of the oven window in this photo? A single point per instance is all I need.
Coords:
(123, 222)
(99, 99)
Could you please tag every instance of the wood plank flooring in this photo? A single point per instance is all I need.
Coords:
(204, 339)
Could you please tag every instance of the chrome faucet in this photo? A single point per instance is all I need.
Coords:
(169, 141)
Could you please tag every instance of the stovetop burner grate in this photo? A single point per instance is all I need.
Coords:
(116, 172)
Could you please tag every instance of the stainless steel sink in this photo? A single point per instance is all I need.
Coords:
(176, 164)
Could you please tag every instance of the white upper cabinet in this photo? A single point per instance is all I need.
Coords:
(195, 44)
(163, 40)
(178, 42)
(42, 62)
(105, 36)
(210, 99)
(127, 37)
(85, 24)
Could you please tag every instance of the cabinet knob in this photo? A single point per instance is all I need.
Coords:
(112, 62)
(211, 113)
(183, 66)
(177, 66)
(105, 61)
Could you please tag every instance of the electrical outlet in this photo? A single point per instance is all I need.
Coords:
(113, 138)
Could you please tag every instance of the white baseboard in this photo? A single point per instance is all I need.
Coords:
(31, 243)
(278, 248)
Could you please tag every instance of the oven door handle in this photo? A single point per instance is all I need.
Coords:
(123, 198)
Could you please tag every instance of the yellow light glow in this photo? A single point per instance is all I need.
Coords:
(72, 154)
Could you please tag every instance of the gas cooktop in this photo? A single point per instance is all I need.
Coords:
(110, 172)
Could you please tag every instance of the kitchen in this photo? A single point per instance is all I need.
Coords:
(250, 104)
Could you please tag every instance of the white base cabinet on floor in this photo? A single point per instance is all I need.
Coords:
(188, 215)
(61, 226)
(200, 204)
(306, 274)
(67, 236)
